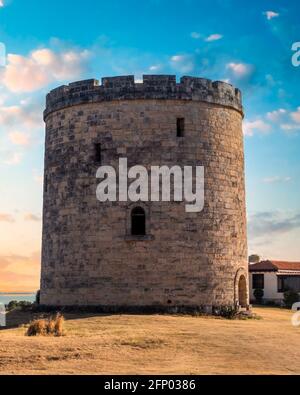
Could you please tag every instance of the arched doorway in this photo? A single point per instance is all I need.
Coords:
(242, 292)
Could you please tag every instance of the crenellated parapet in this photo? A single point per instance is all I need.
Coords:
(153, 87)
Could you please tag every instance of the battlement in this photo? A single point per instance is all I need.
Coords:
(156, 87)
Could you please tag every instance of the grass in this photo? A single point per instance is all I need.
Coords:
(128, 344)
(47, 327)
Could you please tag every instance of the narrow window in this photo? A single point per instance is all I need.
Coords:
(138, 222)
(258, 281)
(98, 153)
(180, 127)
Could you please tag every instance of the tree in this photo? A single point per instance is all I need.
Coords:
(254, 258)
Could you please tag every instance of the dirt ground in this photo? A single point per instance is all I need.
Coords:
(129, 344)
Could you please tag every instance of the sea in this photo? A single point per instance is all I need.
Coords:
(5, 298)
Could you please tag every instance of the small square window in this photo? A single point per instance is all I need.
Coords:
(180, 127)
(258, 281)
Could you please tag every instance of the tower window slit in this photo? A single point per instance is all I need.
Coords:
(180, 127)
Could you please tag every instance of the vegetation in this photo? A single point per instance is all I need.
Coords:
(259, 295)
(228, 312)
(22, 305)
(47, 327)
(254, 258)
(290, 297)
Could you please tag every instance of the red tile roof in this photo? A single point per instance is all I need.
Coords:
(274, 266)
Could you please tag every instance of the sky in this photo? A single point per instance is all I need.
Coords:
(248, 44)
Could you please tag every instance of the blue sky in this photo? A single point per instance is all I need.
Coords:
(245, 43)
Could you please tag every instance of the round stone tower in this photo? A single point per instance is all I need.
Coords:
(144, 255)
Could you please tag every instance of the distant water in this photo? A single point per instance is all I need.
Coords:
(5, 298)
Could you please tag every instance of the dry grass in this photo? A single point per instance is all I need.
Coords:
(47, 327)
(157, 344)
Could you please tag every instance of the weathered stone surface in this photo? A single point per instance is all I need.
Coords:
(89, 257)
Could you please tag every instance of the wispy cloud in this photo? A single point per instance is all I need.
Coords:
(239, 70)
(182, 63)
(19, 138)
(257, 126)
(271, 14)
(274, 116)
(20, 273)
(276, 179)
(214, 37)
(32, 217)
(4, 217)
(1, 3)
(272, 222)
(10, 158)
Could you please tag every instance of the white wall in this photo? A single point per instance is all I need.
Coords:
(271, 287)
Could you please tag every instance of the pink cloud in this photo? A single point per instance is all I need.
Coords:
(41, 67)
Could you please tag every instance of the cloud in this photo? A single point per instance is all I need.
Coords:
(42, 67)
(289, 121)
(270, 223)
(11, 158)
(1, 3)
(260, 126)
(19, 138)
(32, 217)
(240, 70)
(296, 115)
(20, 273)
(4, 217)
(289, 127)
(155, 67)
(276, 179)
(274, 116)
(25, 113)
(271, 14)
(214, 37)
(182, 63)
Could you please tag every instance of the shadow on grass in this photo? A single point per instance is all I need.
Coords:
(17, 318)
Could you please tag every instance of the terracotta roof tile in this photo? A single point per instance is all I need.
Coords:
(267, 266)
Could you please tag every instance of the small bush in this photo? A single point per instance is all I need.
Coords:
(47, 327)
(258, 294)
(228, 312)
(290, 297)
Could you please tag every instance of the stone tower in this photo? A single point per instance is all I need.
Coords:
(91, 256)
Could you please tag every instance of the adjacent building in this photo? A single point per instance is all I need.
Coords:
(274, 277)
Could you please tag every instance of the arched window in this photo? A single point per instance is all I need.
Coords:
(138, 222)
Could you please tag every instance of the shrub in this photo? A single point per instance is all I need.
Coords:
(23, 305)
(12, 305)
(258, 294)
(290, 297)
(228, 312)
(47, 327)
(37, 328)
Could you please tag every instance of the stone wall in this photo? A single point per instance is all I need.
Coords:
(188, 259)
